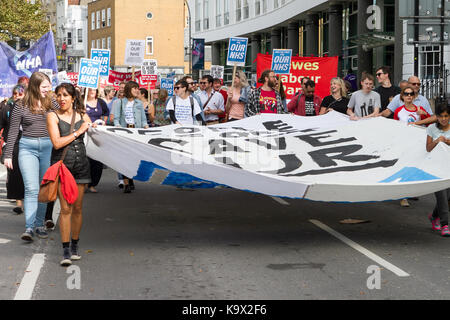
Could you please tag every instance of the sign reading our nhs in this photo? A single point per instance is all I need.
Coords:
(167, 84)
(281, 61)
(103, 56)
(237, 52)
(15, 64)
(89, 73)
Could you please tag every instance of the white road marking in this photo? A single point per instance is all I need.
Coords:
(399, 272)
(281, 201)
(3, 241)
(26, 288)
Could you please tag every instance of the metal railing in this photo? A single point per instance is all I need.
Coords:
(436, 88)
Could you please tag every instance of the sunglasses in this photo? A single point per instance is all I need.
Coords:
(176, 88)
(379, 74)
(411, 94)
(415, 83)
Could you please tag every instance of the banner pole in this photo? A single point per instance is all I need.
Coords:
(132, 73)
(227, 107)
(150, 95)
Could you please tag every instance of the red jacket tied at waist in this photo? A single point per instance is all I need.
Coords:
(68, 184)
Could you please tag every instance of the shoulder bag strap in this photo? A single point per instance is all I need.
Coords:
(209, 99)
(72, 125)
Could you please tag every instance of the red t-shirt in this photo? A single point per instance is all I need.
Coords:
(268, 102)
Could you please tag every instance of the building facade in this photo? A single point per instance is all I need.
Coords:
(160, 23)
(363, 33)
(71, 33)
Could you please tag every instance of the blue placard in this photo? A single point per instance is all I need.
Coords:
(237, 51)
(168, 85)
(281, 61)
(89, 73)
(103, 56)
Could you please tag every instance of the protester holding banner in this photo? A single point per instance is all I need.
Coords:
(437, 133)
(129, 113)
(14, 180)
(364, 103)
(337, 100)
(238, 97)
(182, 107)
(34, 148)
(264, 99)
(157, 110)
(76, 161)
(306, 103)
(143, 97)
(280, 89)
(96, 109)
(110, 96)
(212, 101)
(409, 112)
(386, 89)
(217, 86)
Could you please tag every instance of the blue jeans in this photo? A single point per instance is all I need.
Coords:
(34, 160)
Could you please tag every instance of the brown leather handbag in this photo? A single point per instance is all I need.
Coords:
(49, 191)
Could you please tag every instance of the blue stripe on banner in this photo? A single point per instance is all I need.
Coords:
(410, 174)
(146, 169)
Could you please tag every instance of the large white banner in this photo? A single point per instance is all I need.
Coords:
(324, 158)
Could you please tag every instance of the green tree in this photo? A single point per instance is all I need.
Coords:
(23, 19)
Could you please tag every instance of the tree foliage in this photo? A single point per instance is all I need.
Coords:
(23, 19)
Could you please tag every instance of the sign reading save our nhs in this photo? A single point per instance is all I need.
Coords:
(237, 52)
(103, 56)
(89, 73)
(15, 64)
(281, 61)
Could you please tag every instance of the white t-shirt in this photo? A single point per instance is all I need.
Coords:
(129, 114)
(216, 102)
(183, 110)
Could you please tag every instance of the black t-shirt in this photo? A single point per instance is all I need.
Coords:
(386, 94)
(309, 106)
(337, 105)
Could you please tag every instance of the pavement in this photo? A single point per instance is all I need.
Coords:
(160, 243)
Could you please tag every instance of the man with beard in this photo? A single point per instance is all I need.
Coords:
(264, 99)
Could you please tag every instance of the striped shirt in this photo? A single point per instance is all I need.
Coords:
(33, 125)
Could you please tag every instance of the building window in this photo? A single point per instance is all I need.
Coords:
(238, 10)
(430, 62)
(218, 13)
(93, 44)
(80, 35)
(246, 9)
(205, 14)
(93, 21)
(275, 4)
(197, 15)
(69, 38)
(103, 18)
(108, 17)
(149, 45)
(109, 43)
(258, 7)
(264, 2)
(98, 44)
(226, 12)
(104, 43)
(98, 20)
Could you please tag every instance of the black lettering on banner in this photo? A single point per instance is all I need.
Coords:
(159, 141)
(280, 143)
(313, 140)
(219, 146)
(186, 130)
(291, 163)
(325, 157)
(380, 164)
(279, 126)
(234, 134)
(228, 161)
(148, 132)
(114, 129)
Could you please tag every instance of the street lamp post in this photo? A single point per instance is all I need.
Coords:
(190, 38)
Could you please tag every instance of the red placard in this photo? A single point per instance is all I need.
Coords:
(115, 78)
(320, 70)
(73, 77)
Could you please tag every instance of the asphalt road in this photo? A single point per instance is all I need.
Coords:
(161, 243)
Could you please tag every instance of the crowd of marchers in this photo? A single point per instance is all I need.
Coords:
(41, 126)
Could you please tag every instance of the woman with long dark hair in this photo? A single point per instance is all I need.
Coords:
(59, 125)
(34, 148)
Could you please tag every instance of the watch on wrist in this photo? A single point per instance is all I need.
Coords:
(75, 135)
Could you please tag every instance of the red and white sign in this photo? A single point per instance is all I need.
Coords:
(73, 77)
(115, 78)
(320, 70)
